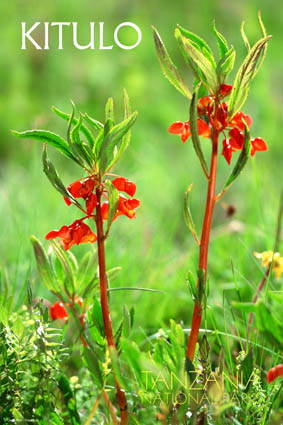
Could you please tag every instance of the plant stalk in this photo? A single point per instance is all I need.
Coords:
(120, 393)
(204, 242)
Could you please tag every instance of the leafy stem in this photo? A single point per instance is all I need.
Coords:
(120, 393)
(205, 236)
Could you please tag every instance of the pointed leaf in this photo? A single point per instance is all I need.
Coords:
(205, 70)
(194, 131)
(221, 41)
(84, 129)
(199, 43)
(105, 152)
(242, 160)
(43, 266)
(244, 77)
(47, 137)
(93, 365)
(121, 147)
(225, 65)
(94, 123)
(244, 37)
(113, 197)
(168, 68)
(192, 284)
(70, 280)
(69, 399)
(109, 111)
(187, 212)
(54, 178)
(126, 322)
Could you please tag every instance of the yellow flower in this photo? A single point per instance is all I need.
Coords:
(277, 267)
(268, 257)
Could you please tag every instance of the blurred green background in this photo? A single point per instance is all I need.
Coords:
(155, 250)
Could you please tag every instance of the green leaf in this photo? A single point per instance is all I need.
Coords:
(109, 111)
(192, 284)
(225, 65)
(43, 266)
(126, 322)
(194, 131)
(168, 68)
(94, 123)
(69, 399)
(244, 37)
(97, 316)
(84, 129)
(221, 41)
(106, 146)
(199, 43)
(70, 279)
(54, 178)
(245, 307)
(18, 327)
(242, 160)
(264, 33)
(82, 151)
(246, 367)
(204, 349)
(201, 66)
(93, 365)
(122, 146)
(4, 315)
(47, 137)
(187, 212)
(113, 197)
(245, 75)
(113, 273)
(116, 366)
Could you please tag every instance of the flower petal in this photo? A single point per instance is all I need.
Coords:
(237, 138)
(237, 120)
(227, 150)
(258, 144)
(176, 127)
(225, 89)
(125, 185)
(203, 129)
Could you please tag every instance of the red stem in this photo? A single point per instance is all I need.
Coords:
(204, 242)
(120, 393)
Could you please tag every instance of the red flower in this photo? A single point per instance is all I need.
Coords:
(237, 120)
(58, 311)
(258, 144)
(78, 232)
(205, 106)
(184, 129)
(225, 90)
(227, 150)
(274, 373)
(83, 189)
(125, 185)
(126, 207)
(237, 138)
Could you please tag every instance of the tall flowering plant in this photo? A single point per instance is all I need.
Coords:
(100, 197)
(215, 115)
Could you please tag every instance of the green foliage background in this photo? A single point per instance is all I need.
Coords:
(156, 249)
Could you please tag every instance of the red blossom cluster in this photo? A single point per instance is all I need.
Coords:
(78, 232)
(234, 126)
